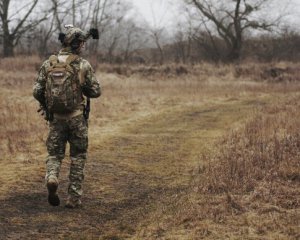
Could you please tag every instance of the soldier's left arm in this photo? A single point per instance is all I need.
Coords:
(90, 85)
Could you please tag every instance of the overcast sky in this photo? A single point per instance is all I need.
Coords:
(157, 12)
(165, 12)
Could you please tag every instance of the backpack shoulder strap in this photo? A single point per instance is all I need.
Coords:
(53, 59)
(71, 58)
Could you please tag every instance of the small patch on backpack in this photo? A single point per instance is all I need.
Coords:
(57, 74)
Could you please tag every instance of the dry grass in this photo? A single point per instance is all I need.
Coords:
(246, 187)
(22, 133)
(265, 151)
(18, 117)
(173, 114)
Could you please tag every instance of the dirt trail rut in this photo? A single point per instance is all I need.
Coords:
(128, 175)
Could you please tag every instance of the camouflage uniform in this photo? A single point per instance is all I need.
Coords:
(71, 127)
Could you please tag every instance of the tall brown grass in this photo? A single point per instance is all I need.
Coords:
(20, 129)
(247, 185)
(265, 152)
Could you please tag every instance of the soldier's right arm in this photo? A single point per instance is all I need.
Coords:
(40, 85)
(89, 84)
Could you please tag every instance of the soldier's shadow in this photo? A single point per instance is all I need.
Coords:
(27, 205)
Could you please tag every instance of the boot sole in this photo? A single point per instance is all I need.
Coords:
(53, 198)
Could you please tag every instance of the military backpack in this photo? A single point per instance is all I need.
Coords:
(63, 91)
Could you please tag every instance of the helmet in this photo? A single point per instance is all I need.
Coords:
(73, 33)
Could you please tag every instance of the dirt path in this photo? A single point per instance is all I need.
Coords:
(129, 176)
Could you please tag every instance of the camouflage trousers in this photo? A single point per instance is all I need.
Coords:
(74, 131)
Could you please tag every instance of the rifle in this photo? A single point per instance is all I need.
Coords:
(87, 109)
(45, 113)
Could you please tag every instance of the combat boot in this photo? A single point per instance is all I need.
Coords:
(73, 203)
(52, 185)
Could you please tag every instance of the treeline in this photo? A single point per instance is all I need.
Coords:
(263, 48)
(215, 30)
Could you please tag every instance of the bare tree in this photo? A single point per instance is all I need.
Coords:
(12, 34)
(52, 25)
(156, 34)
(113, 32)
(208, 43)
(76, 7)
(183, 41)
(100, 20)
(129, 38)
(44, 35)
(134, 39)
(112, 39)
(59, 13)
(231, 18)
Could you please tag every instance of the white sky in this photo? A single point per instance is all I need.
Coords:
(157, 12)
(165, 12)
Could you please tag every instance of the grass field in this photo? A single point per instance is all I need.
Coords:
(176, 152)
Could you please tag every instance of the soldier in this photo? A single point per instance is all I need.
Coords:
(60, 87)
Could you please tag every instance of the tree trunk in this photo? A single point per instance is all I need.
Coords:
(8, 46)
(8, 39)
(235, 51)
(161, 52)
(234, 55)
(11, 38)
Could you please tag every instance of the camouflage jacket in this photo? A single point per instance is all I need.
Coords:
(89, 84)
